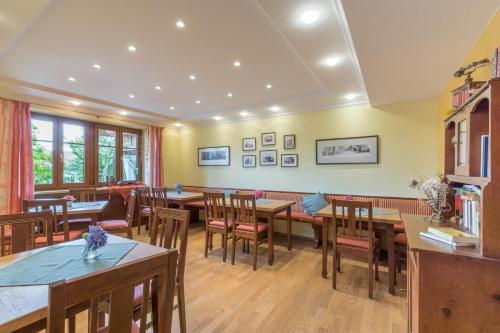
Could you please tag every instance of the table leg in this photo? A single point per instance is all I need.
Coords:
(270, 249)
(390, 255)
(324, 256)
(289, 226)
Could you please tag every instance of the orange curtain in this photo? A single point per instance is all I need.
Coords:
(155, 137)
(16, 158)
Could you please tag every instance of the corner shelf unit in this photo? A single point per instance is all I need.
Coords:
(479, 116)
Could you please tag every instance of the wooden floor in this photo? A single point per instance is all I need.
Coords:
(290, 296)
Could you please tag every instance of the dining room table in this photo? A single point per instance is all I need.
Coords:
(383, 219)
(91, 209)
(183, 198)
(24, 284)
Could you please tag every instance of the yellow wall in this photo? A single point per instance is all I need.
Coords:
(483, 48)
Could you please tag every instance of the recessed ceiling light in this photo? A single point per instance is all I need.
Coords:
(132, 48)
(237, 63)
(275, 108)
(123, 113)
(180, 24)
(331, 61)
(158, 88)
(75, 103)
(172, 108)
(198, 102)
(350, 96)
(177, 124)
(131, 96)
(192, 77)
(229, 94)
(269, 86)
(96, 66)
(309, 16)
(71, 79)
(217, 118)
(244, 113)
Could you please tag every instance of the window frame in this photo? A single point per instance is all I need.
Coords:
(55, 149)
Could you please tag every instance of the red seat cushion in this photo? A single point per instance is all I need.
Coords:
(138, 294)
(220, 223)
(354, 242)
(301, 216)
(105, 329)
(401, 239)
(197, 204)
(59, 237)
(245, 227)
(399, 228)
(113, 224)
(82, 220)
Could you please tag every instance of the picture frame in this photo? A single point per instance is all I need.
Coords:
(289, 141)
(355, 150)
(268, 139)
(249, 161)
(289, 160)
(268, 157)
(249, 144)
(214, 156)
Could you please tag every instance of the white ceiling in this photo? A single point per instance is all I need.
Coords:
(404, 50)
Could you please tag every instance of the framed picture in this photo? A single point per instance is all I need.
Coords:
(249, 161)
(268, 157)
(360, 150)
(289, 160)
(269, 139)
(211, 156)
(248, 144)
(289, 141)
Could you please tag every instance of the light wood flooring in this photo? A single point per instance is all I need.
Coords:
(290, 296)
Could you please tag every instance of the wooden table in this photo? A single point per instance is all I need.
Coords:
(25, 305)
(383, 222)
(268, 211)
(183, 198)
(91, 209)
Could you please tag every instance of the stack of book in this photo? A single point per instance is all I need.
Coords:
(450, 236)
(467, 207)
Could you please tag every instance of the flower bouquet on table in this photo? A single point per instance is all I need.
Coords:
(94, 240)
(259, 194)
(178, 188)
(435, 190)
(70, 199)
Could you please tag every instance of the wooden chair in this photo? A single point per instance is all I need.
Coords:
(159, 197)
(245, 224)
(145, 207)
(82, 195)
(400, 251)
(216, 221)
(55, 205)
(350, 237)
(170, 230)
(19, 231)
(115, 287)
(122, 226)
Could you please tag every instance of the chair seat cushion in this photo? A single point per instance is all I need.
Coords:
(401, 239)
(113, 224)
(220, 223)
(138, 294)
(355, 242)
(399, 228)
(79, 220)
(249, 228)
(302, 216)
(58, 237)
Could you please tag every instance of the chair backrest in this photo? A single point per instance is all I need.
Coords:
(169, 226)
(243, 210)
(59, 208)
(144, 196)
(354, 216)
(84, 194)
(116, 286)
(159, 197)
(129, 217)
(18, 231)
(215, 207)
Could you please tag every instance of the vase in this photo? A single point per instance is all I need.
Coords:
(89, 254)
(70, 204)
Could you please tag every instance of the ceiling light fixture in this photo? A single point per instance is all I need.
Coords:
(309, 16)
(217, 118)
(229, 94)
(132, 48)
(269, 86)
(275, 108)
(172, 108)
(75, 103)
(96, 66)
(177, 124)
(198, 102)
(71, 79)
(350, 97)
(236, 63)
(332, 61)
(180, 24)
(123, 113)
(158, 88)
(192, 77)
(131, 96)
(244, 113)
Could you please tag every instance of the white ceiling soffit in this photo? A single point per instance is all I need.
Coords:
(266, 36)
(408, 50)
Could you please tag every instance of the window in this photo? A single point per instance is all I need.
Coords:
(88, 154)
(462, 142)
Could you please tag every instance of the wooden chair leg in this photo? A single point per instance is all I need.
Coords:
(334, 270)
(139, 219)
(206, 243)
(234, 249)
(72, 324)
(181, 301)
(224, 247)
(221, 240)
(210, 241)
(370, 275)
(254, 255)
(338, 262)
(377, 257)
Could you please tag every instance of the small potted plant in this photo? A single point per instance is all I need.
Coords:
(94, 240)
(70, 199)
(435, 190)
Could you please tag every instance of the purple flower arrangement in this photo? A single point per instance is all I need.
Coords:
(95, 239)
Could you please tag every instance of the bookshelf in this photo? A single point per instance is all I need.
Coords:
(464, 129)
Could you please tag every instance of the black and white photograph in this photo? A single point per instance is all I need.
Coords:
(289, 160)
(268, 157)
(289, 141)
(358, 150)
(214, 156)
(269, 139)
(249, 161)
(249, 144)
